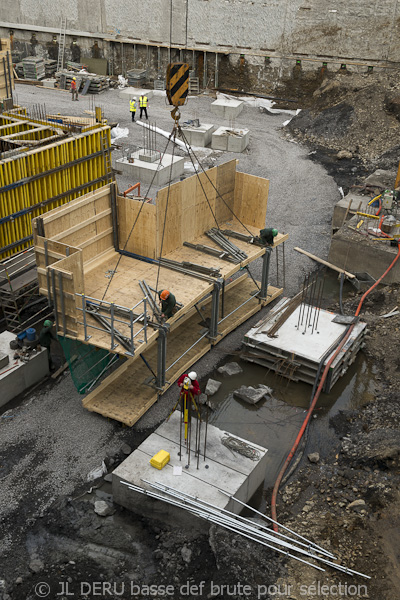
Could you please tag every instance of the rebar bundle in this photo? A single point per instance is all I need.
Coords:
(237, 254)
(295, 547)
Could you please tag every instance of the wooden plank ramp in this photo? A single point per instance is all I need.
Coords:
(125, 397)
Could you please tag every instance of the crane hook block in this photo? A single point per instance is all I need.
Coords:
(177, 85)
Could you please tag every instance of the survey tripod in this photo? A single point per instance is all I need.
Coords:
(188, 404)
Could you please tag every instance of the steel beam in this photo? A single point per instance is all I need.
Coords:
(213, 329)
(265, 274)
(161, 357)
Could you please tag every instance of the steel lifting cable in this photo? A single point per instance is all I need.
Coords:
(206, 174)
(165, 214)
(136, 220)
(189, 149)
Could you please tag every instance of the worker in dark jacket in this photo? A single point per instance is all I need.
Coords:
(188, 382)
(45, 336)
(267, 236)
(168, 304)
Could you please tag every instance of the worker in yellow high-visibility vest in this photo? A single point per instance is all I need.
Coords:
(132, 107)
(143, 103)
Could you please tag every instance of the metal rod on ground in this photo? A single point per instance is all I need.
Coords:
(208, 517)
(230, 520)
(257, 512)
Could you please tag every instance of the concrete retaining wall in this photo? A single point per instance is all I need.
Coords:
(258, 39)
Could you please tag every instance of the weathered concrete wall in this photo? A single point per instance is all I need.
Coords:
(348, 29)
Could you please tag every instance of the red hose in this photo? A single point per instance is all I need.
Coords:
(318, 392)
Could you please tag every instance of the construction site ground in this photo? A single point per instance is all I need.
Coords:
(49, 442)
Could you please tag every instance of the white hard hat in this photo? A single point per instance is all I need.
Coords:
(193, 375)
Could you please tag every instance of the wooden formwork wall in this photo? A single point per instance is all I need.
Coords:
(6, 70)
(37, 181)
(192, 206)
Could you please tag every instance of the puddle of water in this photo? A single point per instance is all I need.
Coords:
(274, 422)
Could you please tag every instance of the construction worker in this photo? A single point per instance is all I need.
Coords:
(45, 336)
(143, 102)
(267, 236)
(188, 382)
(74, 90)
(168, 304)
(132, 107)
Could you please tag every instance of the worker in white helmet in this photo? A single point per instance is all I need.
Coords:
(188, 382)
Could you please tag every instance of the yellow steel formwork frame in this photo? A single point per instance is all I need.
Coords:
(38, 180)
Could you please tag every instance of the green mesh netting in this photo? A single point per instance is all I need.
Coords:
(87, 364)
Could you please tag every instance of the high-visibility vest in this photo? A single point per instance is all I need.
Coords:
(132, 105)
(73, 85)
(143, 101)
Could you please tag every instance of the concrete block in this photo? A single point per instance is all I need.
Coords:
(149, 156)
(49, 83)
(230, 140)
(227, 109)
(132, 92)
(4, 360)
(223, 469)
(199, 136)
(143, 171)
(17, 376)
(340, 209)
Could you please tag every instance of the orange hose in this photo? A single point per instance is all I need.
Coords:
(318, 392)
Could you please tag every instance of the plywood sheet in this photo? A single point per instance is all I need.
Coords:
(143, 217)
(251, 198)
(224, 202)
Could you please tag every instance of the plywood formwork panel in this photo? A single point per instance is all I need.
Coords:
(169, 219)
(143, 218)
(251, 198)
(225, 195)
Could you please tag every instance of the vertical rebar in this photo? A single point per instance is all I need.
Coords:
(198, 450)
(189, 428)
(314, 287)
(180, 428)
(112, 325)
(301, 302)
(205, 436)
(131, 327)
(319, 310)
(316, 306)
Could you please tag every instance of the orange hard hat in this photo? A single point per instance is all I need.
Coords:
(164, 294)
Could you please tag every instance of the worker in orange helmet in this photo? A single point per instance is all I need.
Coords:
(74, 90)
(168, 303)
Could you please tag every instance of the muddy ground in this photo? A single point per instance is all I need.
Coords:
(54, 545)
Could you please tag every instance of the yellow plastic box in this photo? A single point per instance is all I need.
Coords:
(160, 459)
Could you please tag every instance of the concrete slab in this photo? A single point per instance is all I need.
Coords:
(198, 136)
(143, 171)
(133, 92)
(223, 469)
(230, 140)
(356, 202)
(17, 376)
(227, 109)
(296, 353)
(362, 253)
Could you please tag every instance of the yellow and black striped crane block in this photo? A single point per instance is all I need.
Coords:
(177, 83)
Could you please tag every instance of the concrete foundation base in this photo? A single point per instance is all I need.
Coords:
(230, 140)
(133, 92)
(17, 376)
(222, 469)
(298, 347)
(227, 109)
(342, 210)
(198, 136)
(143, 171)
(356, 252)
